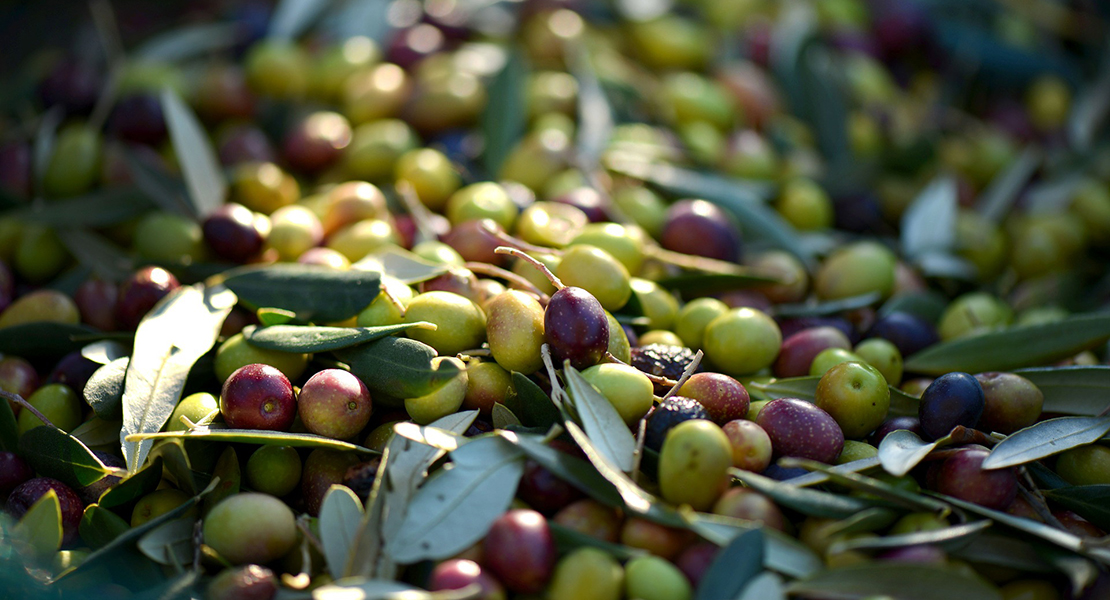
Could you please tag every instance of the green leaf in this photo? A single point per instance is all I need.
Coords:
(102, 208)
(179, 468)
(529, 401)
(573, 470)
(275, 316)
(203, 175)
(456, 506)
(135, 486)
(310, 339)
(42, 149)
(870, 486)
(821, 309)
(765, 586)
(1092, 502)
(505, 117)
(158, 186)
(340, 517)
(41, 525)
(710, 283)
(1004, 551)
(400, 367)
(171, 543)
(57, 454)
(1071, 390)
(97, 433)
(253, 436)
(227, 469)
(94, 251)
(292, 17)
(818, 478)
(503, 417)
(928, 305)
(44, 340)
(180, 329)
(809, 502)
(946, 538)
(601, 421)
(995, 201)
(567, 540)
(902, 581)
(190, 41)
(104, 390)
(929, 223)
(902, 450)
(105, 351)
(1088, 113)
(357, 588)
(1013, 348)
(99, 526)
(1045, 439)
(128, 538)
(865, 521)
(313, 292)
(405, 266)
(733, 567)
(9, 428)
(595, 115)
(781, 552)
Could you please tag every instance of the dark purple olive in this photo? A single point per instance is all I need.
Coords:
(231, 231)
(962, 476)
(15, 169)
(138, 118)
(140, 292)
(72, 84)
(475, 241)
(245, 143)
(908, 423)
(701, 228)
(26, 494)
(908, 332)
(13, 472)
(588, 200)
(952, 399)
(798, 428)
(790, 327)
(576, 328)
(73, 370)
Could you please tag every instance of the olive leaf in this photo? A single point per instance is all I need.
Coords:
(819, 478)
(54, 453)
(871, 486)
(781, 553)
(101, 208)
(312, 292)
(595, 115)
(105, 351)
(188, 42)
(1081, 390)
(1088, 114)
(400, 367)
(809, 502)
(41, 525)
(821, 309)
(251, 436)
(903, 581)
(1004, 551)
(98, 433)
(531, 404)
(181, 328)
(44, 340)
(203, 175)
(133, 487)
(864, 521)
(158, 186)
(310, 339)
(99, 526)
(292, 17)
(710, 283)
(456, 506)
(568, 540)
(404, 266)
(505, 117)
(231, 478)
(946, 538)
(42, 149)
(340, 516)
(600, 420)
(929, 223)
(571, 469)
(179, 467)
(1012, 348)
(503, 417)
(170, 544)
(99, 255)
(902, 450)
(995, 201)
(733, 567)
(765, 586)
(9, 428)
(1045, 439)
(1092, 502)
(104, 390)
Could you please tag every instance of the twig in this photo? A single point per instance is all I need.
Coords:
(421, 216)
(27, 406)
(697, 263)
(638, 453)
(690, 368)
(657, 379)
(1036, 499)
(557, 393)
(499, 273)
(542, 268)
(518, 243)
(396, 302)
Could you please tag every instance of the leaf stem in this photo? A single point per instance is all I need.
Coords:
(421, 216)
(686, 373)
(694, 263)
(27, 406)
(557, 393)
(499, 273)
(542, 268)
(657, 379)
(638, 453)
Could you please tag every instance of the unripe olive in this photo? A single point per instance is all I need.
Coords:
(628, 389)
(375, 148)
(293, 231)
(597, 272)
(274, 470)
(39, 253)
(653, 578)
(376, 92)
(856, 269)
(619, 346)
(278, 68)
(445, 400)
(587, 574)
(658, 305)
(461, 324)
(694, 463)
(41, 305)
(973, 313)
(515, 331)
(263, 187)
(382, 311)
(250, 528)
(75, 164)
(193, 407)
(57, 402)
(693, 319)
(168, 237)
(236, 352)
(158, 503)
(742, 341)
(486, 200)
(361, 238)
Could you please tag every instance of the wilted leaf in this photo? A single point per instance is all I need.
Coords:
(135, 486)
(929, 224)
(601, 421)
(1092, 502)
(1012, 348)
(188, 42)
(806, 501)
(41, 525)
(903, 581)
(171, 337)
(99, 526)
(397, 366)
(310, 339)
(194, 152)
(57, 454)
(733, 567)
(1071, 390)
(340, 517)
(456, 506)
(1045, 439)
(292, 17)
(171, 543)
(313, 292)
(104, 390)
(253, 436)
(101, 208)
(504, 119)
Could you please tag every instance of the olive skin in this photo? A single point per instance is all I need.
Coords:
(576, 328)
(694, 463)
(520, 551)
(1011, 402)
(952, 399)
(250, 528)
(515, 331)
(27, 493)
(258, 396)
(963, 477)
(798, 428)
(856, 395)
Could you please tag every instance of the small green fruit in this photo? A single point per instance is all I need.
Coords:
(460, 324)
(250, 528)
(694, 464)
(654, 578)
(628, 389)
(742, 341)
(586, 574)
(57, 402)
(442, 402)
(857, 397)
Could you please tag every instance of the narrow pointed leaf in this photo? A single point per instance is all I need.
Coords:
(253, 436)
(314, 293)
(41, 525)
(594, 113)
(813, 503)
(946, 538)
(57, 454)
(573, 470)
(135, 486)
(309, 339)
(818, 478)
(534, 407)
(109, 206)
(9, 428)
(503, 417)
(902, 581)
(44, 340)
(187, 42)
(995, 201)
(97, 432)
(929, 224)
(821, 309)
(765, 586)
(177, 331)
(456, 507)
(179, 467)
(171, 543)
(99, 526)
(104, 390)
(291, 18)
(568, 540)
(94, 251)
(1012, 348)
(601, 421)
(340, 516)
(733, 567)
(870, 486)
(1092, 502)
(203, 175)
(42, 150)
(402, 265)
(781, 553)
(158, 187)
(504, 119)
(397, 366)
(1072, 390)
(1045, 439)
(709, 283)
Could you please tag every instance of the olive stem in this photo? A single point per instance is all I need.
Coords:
(686, 373)
(699, 263)
(518, 243)
(659, 379)
(27, 406)
(1105, 411)
(532, 261)
(557, 393)
(638, 453)
(198, 541)
(394, 300)
(302, 525)
(421, 216)
(499, 273)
